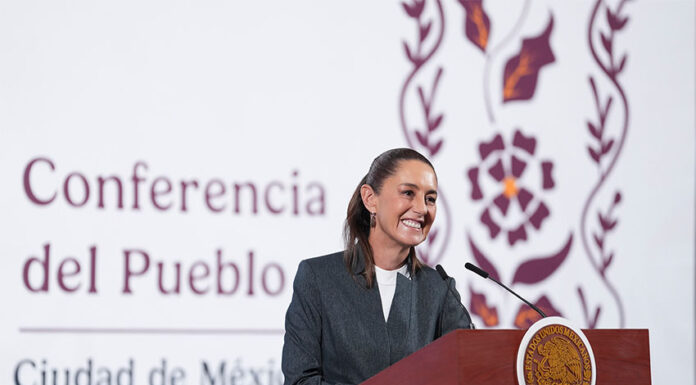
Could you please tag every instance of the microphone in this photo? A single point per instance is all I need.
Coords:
(446, 278)
(485, 274)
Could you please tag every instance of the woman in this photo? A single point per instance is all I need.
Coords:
(354, 313)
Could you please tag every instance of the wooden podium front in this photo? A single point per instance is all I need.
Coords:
(489, 357)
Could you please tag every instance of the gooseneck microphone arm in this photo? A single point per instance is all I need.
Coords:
(447, 279)
(485, 274)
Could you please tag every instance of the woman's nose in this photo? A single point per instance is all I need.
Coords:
(419, 206)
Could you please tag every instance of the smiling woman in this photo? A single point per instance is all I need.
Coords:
(403, 208)
(397, 200)
(342, 328)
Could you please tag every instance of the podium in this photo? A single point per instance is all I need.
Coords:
(489, 357)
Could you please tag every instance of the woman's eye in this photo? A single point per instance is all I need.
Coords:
(408, 193)
(431, 199)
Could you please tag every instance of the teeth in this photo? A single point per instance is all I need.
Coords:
(410, 223)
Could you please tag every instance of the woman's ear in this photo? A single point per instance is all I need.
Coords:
(369, 198)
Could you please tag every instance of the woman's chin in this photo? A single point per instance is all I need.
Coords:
(413, 240)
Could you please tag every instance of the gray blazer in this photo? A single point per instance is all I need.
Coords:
(335, 331)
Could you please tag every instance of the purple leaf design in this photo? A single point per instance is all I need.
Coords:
(599, 241)
(431, 124)
(477, 26)
(606, 42)
(435, 123)
(424, 30)
(611, 19)
(436, 148)
(538, 269)
(424, 103)
(482, 261)
(603, 114)
(594, 131)
(593, 86)
(606, 223)
(621, 23)
(622, 64)
(521, 71)
(414, 10)
(596, 317)
(608, 66)
(614, 21)
(422, 139)
(591, 323)
(607, 262)
(606, 147)
(593, 154)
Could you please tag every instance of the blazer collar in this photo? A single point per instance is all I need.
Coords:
(359, 262)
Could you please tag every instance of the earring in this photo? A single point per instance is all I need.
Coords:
(373, 221)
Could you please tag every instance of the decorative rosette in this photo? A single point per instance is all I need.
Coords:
(510, 188)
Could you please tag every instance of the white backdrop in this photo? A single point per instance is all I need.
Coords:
(295, 99)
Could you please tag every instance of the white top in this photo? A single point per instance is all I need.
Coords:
(386, 281)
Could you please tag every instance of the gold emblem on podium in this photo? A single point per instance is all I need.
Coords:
(555, 353)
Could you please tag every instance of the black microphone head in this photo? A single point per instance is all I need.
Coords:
(442, 273)
(476, 269)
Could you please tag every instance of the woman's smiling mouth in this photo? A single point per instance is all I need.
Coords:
(412, 223)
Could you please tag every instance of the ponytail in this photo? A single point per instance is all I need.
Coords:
(355, 234)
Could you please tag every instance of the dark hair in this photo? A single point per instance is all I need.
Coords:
(356, 230)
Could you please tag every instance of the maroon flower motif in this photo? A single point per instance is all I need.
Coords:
(506, 165)
(526, 316)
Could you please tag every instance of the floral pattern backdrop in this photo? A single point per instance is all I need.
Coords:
(508, 185)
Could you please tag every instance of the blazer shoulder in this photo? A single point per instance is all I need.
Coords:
(325, 263)
(321, 272)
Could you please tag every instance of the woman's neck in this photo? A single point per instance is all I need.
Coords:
(386, 253)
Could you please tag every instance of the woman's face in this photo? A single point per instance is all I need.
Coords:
(406, 204)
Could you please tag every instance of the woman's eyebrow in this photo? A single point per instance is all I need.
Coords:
(415, 186)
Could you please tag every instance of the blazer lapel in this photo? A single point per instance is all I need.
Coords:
(399, 321)
(394, 337)
(369, 299)
(371, 303)
(368, 314)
